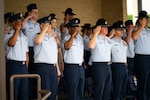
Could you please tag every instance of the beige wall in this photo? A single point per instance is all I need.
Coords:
(86, 10)
(114, 10)
(2, 55)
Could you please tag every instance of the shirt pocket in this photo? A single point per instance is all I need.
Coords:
(116, 48)
(45, 38)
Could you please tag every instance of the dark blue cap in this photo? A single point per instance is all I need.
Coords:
(118, 25)
(18, 16)
(73, 23)
(128, 22)
(69, 11)
(8, 15)
(31, 6)
(87, 26)
(101, 22)
(46, 19)
(53, 16)
(142, 14)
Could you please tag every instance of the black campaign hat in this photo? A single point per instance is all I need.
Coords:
(69, 11)
(46, 19)
(118, 25)
(31, 6)
(87, 26)
(128, 22)
(101, 22)
(73, 22)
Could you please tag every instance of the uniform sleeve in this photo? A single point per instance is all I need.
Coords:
(27, 48)
(34, 38)
(63, 42)
(7, 37)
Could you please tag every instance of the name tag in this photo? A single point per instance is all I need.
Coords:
(115, 44)
(30, 28)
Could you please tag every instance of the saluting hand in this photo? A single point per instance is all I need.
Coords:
(75, 32)
(143, 22)
(45, 27)
(17, 25)
(130, 29)
(97, 30)
(111, 33)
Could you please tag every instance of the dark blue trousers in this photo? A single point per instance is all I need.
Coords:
(75, 79)
(142, 68)
(49, 78)
(120, 78)
(20, 84)
(32, 81)
(131, 70)
(101, 74)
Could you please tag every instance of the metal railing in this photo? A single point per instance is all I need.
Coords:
(45, 93)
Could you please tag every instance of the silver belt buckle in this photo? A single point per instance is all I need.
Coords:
(23, 62)
(80, 64)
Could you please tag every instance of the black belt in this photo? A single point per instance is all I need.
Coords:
(21, 62)
(118, 63)
(47, 64)
(108, 63)
(52, 64)
(79, 65)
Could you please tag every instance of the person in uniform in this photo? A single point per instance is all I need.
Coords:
(119, 60)
(68, 16)
(30, 28)
(7, 17)
(87, 30)
(60, 65)
(7, 25)
(58, 33)
(130, 51)
(73, 48)
(100, 46)
(142, 56)
(16, 44)
(45, 57)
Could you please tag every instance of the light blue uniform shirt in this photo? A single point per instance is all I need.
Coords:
(18, 52)
(86, 40)
(102, 50)
(119, 51)
(142, 44)
(47, 51)
(30, 29)
(65, 32)
(57, 31)
(75, 54)
(131, 46)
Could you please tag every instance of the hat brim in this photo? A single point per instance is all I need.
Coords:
(104, 25)
(69, 13)
(74, 25)
(86, 27)
(142, 17)
(120, 28)
(71, 25)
